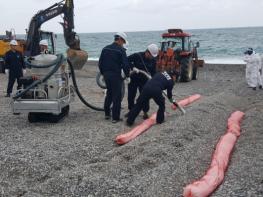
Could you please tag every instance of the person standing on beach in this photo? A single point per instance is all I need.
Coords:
(14, 67)
(113, 60)
(253, 69)
(153, 89)
(261, 72)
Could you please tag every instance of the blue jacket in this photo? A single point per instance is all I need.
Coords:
(161, 81)
(139, 61)
(113, 58)
(14, 61)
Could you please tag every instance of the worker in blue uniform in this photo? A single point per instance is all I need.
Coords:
(153, 89)
(14, 67)
(146, 62)
(113, 60)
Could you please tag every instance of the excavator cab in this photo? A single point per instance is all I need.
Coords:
(51, 39)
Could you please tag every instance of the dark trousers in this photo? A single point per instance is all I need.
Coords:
(145, 96)
(11, 81)
(132, 90)
(113, 95)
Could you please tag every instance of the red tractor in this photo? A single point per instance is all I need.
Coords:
(179, 54)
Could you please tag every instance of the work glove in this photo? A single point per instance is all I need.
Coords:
(172, 100)
(136, 70)
(128, 80)
(7, 72)
(24, 71)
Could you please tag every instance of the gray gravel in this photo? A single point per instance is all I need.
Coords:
(78, 156)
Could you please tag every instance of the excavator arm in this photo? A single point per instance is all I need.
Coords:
(65, 7)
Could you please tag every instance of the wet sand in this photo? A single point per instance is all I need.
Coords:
(78, 156)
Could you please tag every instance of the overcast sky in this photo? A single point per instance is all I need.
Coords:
(137, 15)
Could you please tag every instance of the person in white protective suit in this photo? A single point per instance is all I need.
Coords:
(261, 72)
(253, 61)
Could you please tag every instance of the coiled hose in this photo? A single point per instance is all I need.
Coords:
(77, 89)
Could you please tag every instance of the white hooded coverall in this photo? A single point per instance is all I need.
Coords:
(261, 70)
(252, 70)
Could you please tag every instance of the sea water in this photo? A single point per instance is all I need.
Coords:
(225, 45)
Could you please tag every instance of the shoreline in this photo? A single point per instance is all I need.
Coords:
(95, 63)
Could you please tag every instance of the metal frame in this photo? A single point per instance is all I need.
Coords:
(43, 105)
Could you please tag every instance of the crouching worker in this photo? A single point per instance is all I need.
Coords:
(153, 89)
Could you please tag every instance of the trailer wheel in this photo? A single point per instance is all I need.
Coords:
(32, 117)
(100, 81)
(186, 69)
(48, 117)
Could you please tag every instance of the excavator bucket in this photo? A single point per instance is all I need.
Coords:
(78, 58)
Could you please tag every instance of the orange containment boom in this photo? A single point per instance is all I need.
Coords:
(187, 100)
(146, 124)
(215, 174)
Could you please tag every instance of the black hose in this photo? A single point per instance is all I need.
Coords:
(77, 89)
(60, 59)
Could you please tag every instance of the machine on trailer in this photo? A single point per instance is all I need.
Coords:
(47, 91)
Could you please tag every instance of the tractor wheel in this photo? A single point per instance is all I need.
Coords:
(195, 70)
(186, 69)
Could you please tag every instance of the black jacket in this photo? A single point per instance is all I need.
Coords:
(139, 61)
(113, 58)
(14, 61)
(161, 81)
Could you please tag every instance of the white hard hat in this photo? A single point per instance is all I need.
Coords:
(153, 49)
(13, 42)
(122, 35)
(43, 42)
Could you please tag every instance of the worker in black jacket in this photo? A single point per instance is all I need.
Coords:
(153, 89)
(14, 67)
(112, 61)
(144, 61)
